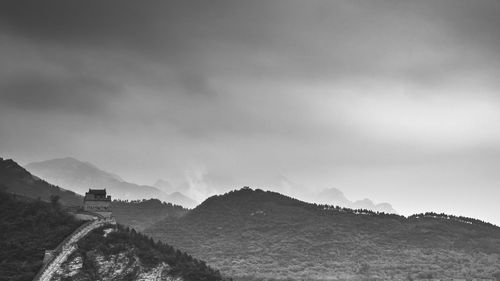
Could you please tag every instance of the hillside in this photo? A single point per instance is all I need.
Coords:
(15, 179)
(140, 214)
(255, 234)
(79, 176)
(117, 253)
(137, 214)
(27, 228)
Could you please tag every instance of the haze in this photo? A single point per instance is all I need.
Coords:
(397, 101)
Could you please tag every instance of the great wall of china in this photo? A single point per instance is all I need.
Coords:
(96, 207)
(68, 246)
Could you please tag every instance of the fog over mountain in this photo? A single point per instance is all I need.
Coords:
(164, 185)
(79, 176)
(395, 101)
(15, 179)
(333, 196)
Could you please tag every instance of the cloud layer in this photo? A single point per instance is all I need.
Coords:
(392, 100)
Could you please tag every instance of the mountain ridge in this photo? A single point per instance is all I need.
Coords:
(137, 214)
(334, 196)
(15, 179)
(263, 234)
(79, 176)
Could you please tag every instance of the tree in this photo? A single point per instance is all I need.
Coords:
(54, 200)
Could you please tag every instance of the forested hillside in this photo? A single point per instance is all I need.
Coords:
(15, 179)
(140, 214)
(27, 228)
(255, 234)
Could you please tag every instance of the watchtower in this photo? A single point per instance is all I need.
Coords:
(96, 201)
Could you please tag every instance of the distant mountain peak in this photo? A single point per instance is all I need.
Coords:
(334, 196)
(164, 185)
(79, 176)
(71, 163)
(181, 199)
(16, 179)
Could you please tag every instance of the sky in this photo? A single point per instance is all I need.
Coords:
(396, 101)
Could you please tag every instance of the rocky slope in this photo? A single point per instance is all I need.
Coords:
(115, 253)
(261, 234)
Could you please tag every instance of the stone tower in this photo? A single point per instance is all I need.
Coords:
(96, 201)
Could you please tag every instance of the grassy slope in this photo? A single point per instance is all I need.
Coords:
(266, 234)
(27, 228)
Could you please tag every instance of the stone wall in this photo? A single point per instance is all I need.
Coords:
(67, 247)
(97, 206)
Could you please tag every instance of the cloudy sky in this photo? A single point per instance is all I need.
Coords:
(397, 101)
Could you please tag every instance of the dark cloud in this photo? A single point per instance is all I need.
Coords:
(318, 39)
(41, 92)
(361, 95)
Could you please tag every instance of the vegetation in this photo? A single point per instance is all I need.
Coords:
(253, 234)
(140, 214)
(27, 228)
(15, 179)
(149, 253)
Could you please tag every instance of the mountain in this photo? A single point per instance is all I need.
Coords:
(369, 205)
(144, 213)
(254, 234)
(180, 199)
(29, 227)
(79, 176)
(333, 196)
(15, 179)
(165, 186)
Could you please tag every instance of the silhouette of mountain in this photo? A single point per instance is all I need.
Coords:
(15, 179)
(334, 196)
(261, 234)
(165, 186)
(138, 214)
(79, 176)
(182, 200)
(176, 194)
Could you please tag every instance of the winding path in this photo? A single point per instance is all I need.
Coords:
(68, 246)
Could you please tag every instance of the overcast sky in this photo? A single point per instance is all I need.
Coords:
(397, 101)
